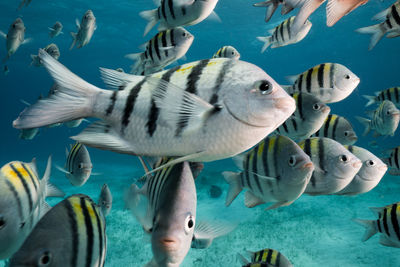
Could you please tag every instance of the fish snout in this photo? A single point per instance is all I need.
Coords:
(307, 166)
(326, 109)
(357, 164)
(383, 168)
(169, 243)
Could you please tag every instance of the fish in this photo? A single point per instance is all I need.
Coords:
(120, 70)
(228, 52)
(175, 13)
(391, 94)
(384, 120)
(166, 208)
(387, 225)
(22, 202)
(15, 37)
(162, 50)
(390, 25)
(330, 82)
(370, 174)
(335, 166)
(6, 70)
(78, 166)
(56, 29)
(201, 111)
(309, 116)
(272, 5)
(276, 170)
(337, 128)
(282, 35)
(105, 200)
(268, 256)
(28, 134)
(72, 233)
(51, 49)
(85, 30)
(393, 161)
(24, 3)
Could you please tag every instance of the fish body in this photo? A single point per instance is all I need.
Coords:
(337, 128)
(56, 29)
(85, 30)
(335, 166)
(282, 35)
(393, 161)
(51, 49)
(391, 94)
(370, 174)
(72, 233)
(276, 170)
(270, 257)
(309, 116)
(227, 51)
(15, 37)
(330, 82)
(229, 106)
(105, 200)
(78, 166)
(162, 50)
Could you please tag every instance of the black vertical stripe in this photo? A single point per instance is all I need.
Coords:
(220, 79)
(269, 255)
(335, 124)
(31, 175)
(183, 9)
(395, 15)
(307, 150)
(285, 127)
(396, 158)
(163, 3)
(130, 103)
(74, 229)
(265, 157)
(288, 26)
(26, 187)
(164, 41)
(388, 95)
(171, 8)
(385, 223)
(255, 170)
(17, 198)
(150, 49)
(89, 232)
(321, 75)
(278, 259)
(382, 96)
(331, 75)
(378, 223)
(350, 149)
(156, 46)
(294, 123)
(395, 222)
(172, 34)
(396, 93)
(101, 233)
(281, 33)
(113, 98)
(389, 24)
(326, 126)
(300, 83)
(308, 79)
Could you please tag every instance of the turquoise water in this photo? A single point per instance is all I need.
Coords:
(313, 231)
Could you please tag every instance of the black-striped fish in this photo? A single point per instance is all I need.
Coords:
(162, 50)
(309, 116)
(56, 29)
(337, 128)
(391, 94)
(85, 30)
(388, 224)
(15, 37)
(335, 166)
(330, 82)
(22, 202)
(72, 233)
(205, 110)
(276, 170)
(390, 25)
(393, 161)
(370, 174)
(105, 200)
(283, 35)
(228, 52)
(175, 13)
(51, 49)
(384, 120)
(268, 256)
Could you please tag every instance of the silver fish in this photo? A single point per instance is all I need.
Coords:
(15, 37)
(202, 111)
(72, 233)
(51, 49)
(56, 29)
(337, 128)
(228, 52)
(105, 200)
(85, 30)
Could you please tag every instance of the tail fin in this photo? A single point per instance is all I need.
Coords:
(377, 32)
(366, 123)
(370, 228)
(336, 9)
(266, 40)
(271, 5)
(371, 100)
(73, 41)
(242, 259)
(233, 179)
(305, 11)
(73, 100)
(152, 17)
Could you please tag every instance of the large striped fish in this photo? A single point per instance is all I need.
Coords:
(391, 94)
(330, 82)
(276, 170)
(202, 111)
(72, 233)
(268, 256)
(15, 37)
(393, 161)
(388, 224)
(162, 50)
(175, 13)
(85, 30)
(337, 128)
(22, 202)
(335, 166)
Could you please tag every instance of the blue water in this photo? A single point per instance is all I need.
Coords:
(313, 231)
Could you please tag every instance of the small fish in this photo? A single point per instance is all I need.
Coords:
(370, 174)
(393, 161)
(309, 116)
(272, 5)
(335, 166)
(268, 256)
(175, 13)
(28, 134)
(22, 202)
(51, 49)
(201, 111)
(72, 233)
(384, 120)
(24, 3)
(162, 50)
(387, 224)
(6, 70)
(56, 29)
(276, 170)
(391, 94)
(78, 166)
(15, 37)
(339, 129)
(85, 30)
(282, 35)
(390, 24)
(105, 200)
(330, 82)
(227, 51)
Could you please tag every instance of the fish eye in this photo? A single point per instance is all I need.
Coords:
(347, 77)
(80, 166)
(343, 158)
(2, 222)
(292, 161)
(346, 133)
(233, 53)
(387, 112)
(184, 34)
(370, 163)
(189, 224)
(265, 87)
(316, 106)
(45, 259)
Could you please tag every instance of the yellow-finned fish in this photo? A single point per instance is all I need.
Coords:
(393, 161)
(265, 258)
(337, 128)
(227, 51)
(391, 94)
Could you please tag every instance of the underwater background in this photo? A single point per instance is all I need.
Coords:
(313, 231)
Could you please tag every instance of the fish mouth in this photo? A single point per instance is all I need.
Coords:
(169, 243)
(307, 166)
(326, 109)
(383, 168)
(357, 164)
(284, 103)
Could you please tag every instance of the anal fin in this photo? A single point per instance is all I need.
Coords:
(251, 200)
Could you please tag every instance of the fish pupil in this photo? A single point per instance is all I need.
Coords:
(190, 223)
(45, 259)
(343, 158)
(265, 86)
(2, 223)
(347, 76)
